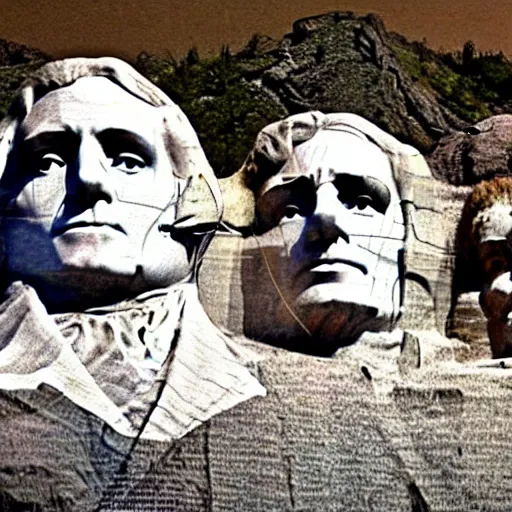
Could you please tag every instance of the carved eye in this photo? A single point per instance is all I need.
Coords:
(50, 162)
(362, 192)
(129, 163)
(291, 210)
(348, 203)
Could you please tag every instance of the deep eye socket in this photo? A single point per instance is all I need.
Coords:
(49, 162)
(298, 197)
(129, 163)
(363, 201)
(362, 192)
(360, 202)
(349, 203)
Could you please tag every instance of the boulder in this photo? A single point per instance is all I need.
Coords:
(476, 153)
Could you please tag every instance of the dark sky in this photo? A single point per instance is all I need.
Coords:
(126, 27)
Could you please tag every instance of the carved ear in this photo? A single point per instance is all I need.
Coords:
(197, 209)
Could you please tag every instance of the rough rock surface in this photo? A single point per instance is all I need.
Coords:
(430, 297)
(336, 62)
(479, 152)
(355, 432)
(339, 62)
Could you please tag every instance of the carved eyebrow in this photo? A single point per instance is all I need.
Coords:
(115, 140)
(63, 142)
(46, 140)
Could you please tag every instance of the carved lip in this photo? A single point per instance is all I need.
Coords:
(331, 261)
(59, 230)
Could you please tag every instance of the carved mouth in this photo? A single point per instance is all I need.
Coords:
(59, 230)
(332, 261)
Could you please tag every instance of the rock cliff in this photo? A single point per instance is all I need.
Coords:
(339, 62)
(332, 62)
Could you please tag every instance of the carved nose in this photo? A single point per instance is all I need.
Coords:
(325, 229)
(90, 180)
(331, 218)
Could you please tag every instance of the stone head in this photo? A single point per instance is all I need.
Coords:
(98, 176)
(330, 229)
(486, 236)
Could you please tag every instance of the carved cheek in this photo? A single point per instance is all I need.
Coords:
(41, 198)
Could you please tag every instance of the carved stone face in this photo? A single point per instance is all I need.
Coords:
(494, 229)
(337, 209)
(90, 179)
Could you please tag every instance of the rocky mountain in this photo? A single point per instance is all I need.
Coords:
(340, 62)
(477, 153)
(13, 54)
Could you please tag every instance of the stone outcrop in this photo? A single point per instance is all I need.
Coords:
(17, 62)
(339, 62)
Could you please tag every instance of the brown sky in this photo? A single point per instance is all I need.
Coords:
(126, 27)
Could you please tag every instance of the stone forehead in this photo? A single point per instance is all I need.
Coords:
(343, 151)
(340, 144)
(102, 89)
(91, 91)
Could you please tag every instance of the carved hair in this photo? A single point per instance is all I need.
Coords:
(483, 196)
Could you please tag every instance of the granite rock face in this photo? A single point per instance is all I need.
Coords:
(408, 420)
(479, 152)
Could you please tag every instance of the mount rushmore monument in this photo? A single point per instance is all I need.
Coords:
(325, 329)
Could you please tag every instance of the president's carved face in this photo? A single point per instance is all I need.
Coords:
(88, 182)
(336, 209)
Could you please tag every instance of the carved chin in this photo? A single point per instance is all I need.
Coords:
(337, 315)
(354, 293)
(102, 251)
